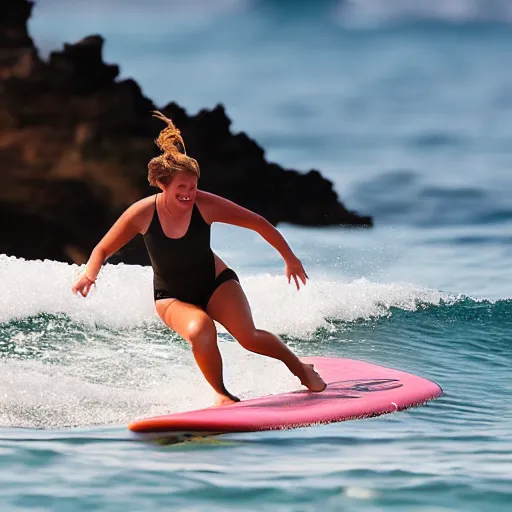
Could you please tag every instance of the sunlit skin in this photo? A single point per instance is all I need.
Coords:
(228, 304)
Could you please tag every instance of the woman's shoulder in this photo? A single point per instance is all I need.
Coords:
(213, 201)
(141, 207)
(219, 209)
(208, 199)
(203, 196)
(144, 204)
(141, 212)
(206, 202)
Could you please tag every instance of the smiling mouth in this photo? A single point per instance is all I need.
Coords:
(184, 199)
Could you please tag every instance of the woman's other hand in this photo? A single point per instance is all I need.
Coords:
(83, 285)
(294, 268)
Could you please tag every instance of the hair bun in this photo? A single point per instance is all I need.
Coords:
(169, 140)
(173, 158)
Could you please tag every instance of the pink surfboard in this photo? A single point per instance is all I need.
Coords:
(355, 389)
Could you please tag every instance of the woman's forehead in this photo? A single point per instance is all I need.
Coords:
(183, 178)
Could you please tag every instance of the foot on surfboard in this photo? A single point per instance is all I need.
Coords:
(312, 380)
(221, 400)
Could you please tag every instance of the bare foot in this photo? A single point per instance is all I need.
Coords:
(312, 380)
(221, 400)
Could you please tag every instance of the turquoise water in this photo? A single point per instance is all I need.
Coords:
(409, 117)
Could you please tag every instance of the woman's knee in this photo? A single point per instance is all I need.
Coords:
(201, 330)
(250, 339)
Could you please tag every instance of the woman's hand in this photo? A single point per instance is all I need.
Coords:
(83, 285)
(294, 268)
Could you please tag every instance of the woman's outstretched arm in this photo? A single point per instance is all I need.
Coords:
(124, 229)
(217, 209)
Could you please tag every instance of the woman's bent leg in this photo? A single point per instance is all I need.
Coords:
(230, 307)
(196, 327)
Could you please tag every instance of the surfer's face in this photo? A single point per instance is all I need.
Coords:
(182, 189)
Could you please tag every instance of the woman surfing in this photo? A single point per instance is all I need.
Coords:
(193, 287)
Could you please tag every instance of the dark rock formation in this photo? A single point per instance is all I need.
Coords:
(74, 147)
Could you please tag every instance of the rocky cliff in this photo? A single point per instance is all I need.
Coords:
(75, 142)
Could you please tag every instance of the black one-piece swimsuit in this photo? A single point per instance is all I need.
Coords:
(184, 268)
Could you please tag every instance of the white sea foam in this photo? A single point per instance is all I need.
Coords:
(361, 493)
(102, 385)
(123, 297)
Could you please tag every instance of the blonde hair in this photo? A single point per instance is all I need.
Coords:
(173, 159)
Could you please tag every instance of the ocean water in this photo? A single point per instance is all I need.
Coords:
(406, 107)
